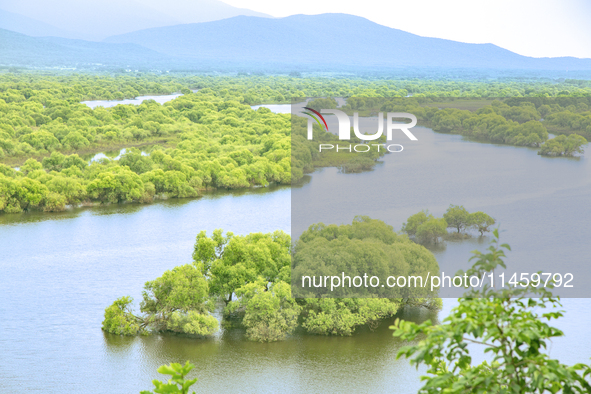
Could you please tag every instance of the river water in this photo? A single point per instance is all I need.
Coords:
(161, 99)
(59, 271)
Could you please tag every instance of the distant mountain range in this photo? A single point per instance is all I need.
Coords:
(29, 26)
(18, 49)
(329, 39)
(98, 19)
(327, 42)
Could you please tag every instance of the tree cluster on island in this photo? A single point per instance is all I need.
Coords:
(508, 324)
(425, 228)
(249, 278)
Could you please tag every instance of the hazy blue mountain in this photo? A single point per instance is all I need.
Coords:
(328, 40)
(97, 19)
(29, 26)
(19, 49)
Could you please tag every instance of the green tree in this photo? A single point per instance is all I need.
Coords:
(72, 189)
(457, 217)
(136, 162)
(53, 162)
(412, 223)
(75, 140)
(74, 161)
(508, 325)
(42, 140)
(481, 222)
(269, 314)
(233, 261)
(341, 316)
(552, 147)
(432, 230)
(357, 164)
(322, 103)
(563, 146)
(9, 195)
(192, 322)
(574, 144)
(117, 185)
(30, 166)
(120, 320)
(177, 384)
(175, 300)
(544, 110)
(367, 247)
(54, 202)
(31, 193)
(178, 301)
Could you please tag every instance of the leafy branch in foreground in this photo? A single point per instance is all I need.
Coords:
(509, 327)
(177, 383)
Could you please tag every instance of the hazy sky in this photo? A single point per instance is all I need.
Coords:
(529, 27)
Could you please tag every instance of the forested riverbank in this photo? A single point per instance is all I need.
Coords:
(212, 139)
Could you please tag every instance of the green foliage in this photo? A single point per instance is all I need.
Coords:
(118, 185)
(269, 314)
(172, 183)
(192, 322)
(515, 121)
(499, 122)
(457, 217)
(357, 164)
(412, 224)
(425, 228)
(30, 193)
(41, 140)
(172, 301)
(75, 140)
(177, 384)
(178, 302)
(9, 195)
(305, 156)
(340, 316)
(136, 161)
(252, 275)
(213, 139)
(481, 221)
(365, 247)
(73, 190)
(432, 230)
(508, 325)
(322, 103)
(54, 162)
(563, 146)
(233, 261)
(30, 166)
(119, 318)
(54, 202)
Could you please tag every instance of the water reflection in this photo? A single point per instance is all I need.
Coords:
(302, 363)
(161, 99)
(129, 208)
(302, 182)
(110, 155)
